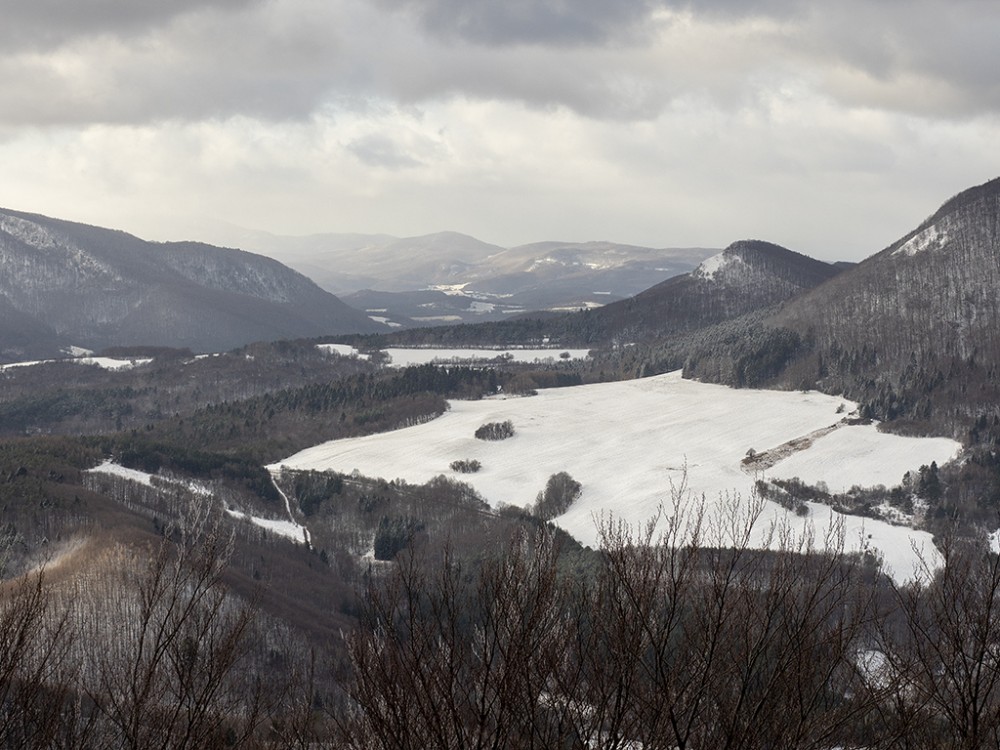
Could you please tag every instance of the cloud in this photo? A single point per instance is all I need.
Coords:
(44, 24)
(828, 127)
(628, 60)
(557, 22)
(383, 151)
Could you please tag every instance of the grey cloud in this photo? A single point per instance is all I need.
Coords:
(529, 21)
(927, 57)
(215, 65)
(145, 60)
(45, 24)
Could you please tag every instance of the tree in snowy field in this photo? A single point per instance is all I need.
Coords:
(495, 430)
(560, 492)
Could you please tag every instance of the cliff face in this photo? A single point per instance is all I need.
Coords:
(93, 287)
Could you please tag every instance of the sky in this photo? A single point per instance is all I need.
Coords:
(832, 128)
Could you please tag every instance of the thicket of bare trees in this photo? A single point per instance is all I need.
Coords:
(147, 650)
(681, 637)
(674, 635)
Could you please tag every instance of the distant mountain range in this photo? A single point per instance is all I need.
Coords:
(449, 277)
(65, 284)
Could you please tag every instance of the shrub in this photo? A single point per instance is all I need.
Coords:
(560, 492)
(495, 430)
(466, 466)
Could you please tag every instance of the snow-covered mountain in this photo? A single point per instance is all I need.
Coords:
(64, 284)
(748, 275)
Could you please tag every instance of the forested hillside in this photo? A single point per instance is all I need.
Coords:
(72, 284)
(912, 332)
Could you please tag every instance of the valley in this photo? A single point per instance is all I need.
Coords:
(328, 507)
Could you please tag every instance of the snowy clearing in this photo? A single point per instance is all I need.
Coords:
(402, 357)
(287, 529)
(861, 455)
(106, 363)
(409, 357)
(929, 239)
(627, 443)
(142, 477)
(110, 467)
(711, 266)
(343, 350)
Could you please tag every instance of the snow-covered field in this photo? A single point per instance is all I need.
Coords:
(402, 357)
(343, 350)
(863, 456)
(627, 443)
(107, 363)
(408, 357)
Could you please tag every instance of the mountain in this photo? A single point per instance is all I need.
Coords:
(63, 283)
(482, 281)
(912, 332)
(748, 275)
(935, 290)
(344, 263)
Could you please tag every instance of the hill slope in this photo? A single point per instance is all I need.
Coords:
(62, 283)
(913, 332)
(932, 291)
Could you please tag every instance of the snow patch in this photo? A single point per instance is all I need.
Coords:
(287, 529)
(106, 363)
(710, 267)
(77, 351)
(342, 350)
(929, 239)
(411, 357)
(457, 290)
(589, 305)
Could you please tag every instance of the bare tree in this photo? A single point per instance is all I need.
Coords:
(940, 653)
(468, 659)
(165, 673)
(685, 636)
(35, 671)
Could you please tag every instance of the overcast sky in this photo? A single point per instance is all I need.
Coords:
(829, 127)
